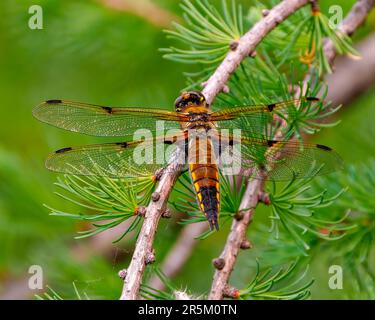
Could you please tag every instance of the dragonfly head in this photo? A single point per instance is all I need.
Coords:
(190, 99)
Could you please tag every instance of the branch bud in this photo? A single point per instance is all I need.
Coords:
(166, 214)
(265, 12)
(233, 45)
(218, 263)
(278, 20)
(150, 257)
(239, 215)
(155, 196)
(140, 211)
(246, 244)
(253, 54)
(158, 174)
(265, 198)
(122, 274)
(225, 89)
(231, 292)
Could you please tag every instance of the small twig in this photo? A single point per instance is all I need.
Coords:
(355, 18)
(315, 8)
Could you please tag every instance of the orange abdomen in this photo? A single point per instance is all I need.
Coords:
(205, 177)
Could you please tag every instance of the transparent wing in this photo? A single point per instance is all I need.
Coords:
(103, 120)
(121, 159)
(281, 160)
(255, 118)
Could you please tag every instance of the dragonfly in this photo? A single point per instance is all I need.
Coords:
(202, 141)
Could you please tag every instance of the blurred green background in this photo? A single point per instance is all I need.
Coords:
(92, 53)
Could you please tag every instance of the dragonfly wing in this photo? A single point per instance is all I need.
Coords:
(256, 117)
(117, 160)
(280, 160)
(104, 120)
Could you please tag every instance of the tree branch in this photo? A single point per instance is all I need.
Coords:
(179, 253)
(355, 18)
(235, 238)
(143, 252)
(343, 87)
(246, 45)
(237, 234)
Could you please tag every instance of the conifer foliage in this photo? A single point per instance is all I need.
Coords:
(334, 214)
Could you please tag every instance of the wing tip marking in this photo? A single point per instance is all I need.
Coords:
(108, 109)
(271, 106)
(312, 99)
(323, 147)
(53, 101)
(63, 150)
(122, 144)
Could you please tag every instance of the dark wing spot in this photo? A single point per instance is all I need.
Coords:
(63, 150)
(54, 101)
(122, 144)
(271, 142)
(107, 109)
(171, 140)
(168, 142)
(312, 99)
(320, 146)
(271, 107)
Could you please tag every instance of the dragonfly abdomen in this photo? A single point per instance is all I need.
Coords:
(205, 179)
(205, 175)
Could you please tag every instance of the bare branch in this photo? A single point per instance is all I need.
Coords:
(343, 87)
(235, 238)
(247, 44)
(355, 18)
(238, 230)
(144, 246)
(179, 253)
(237, 235)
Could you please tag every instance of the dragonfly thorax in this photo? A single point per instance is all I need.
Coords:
(191, 102)
(198, 117)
